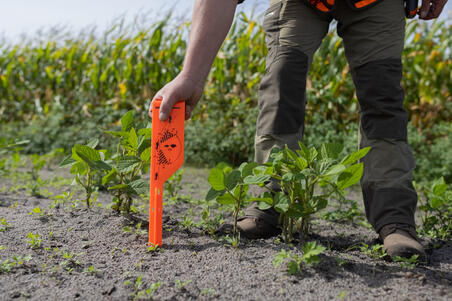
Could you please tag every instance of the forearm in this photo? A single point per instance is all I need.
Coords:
(211, 22)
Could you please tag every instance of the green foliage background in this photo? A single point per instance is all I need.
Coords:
(59, 91)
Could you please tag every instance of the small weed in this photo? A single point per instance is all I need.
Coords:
(70, 261)
(182, 284)
(408, 263)
(340, 261)
(91, 270)
(310, 257)
(154, 249)
(38, 212)
(436, 209)
(139, 292)
(139, 231)
(34, 240)
(188, 223)
(7, 265)
(173, 184)
(342, 295)
(61, 200)
(210, 225)
(208, 291)
(4, 225)
(126, 229)
(375, 251)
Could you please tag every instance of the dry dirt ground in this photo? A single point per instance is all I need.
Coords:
(100, 255)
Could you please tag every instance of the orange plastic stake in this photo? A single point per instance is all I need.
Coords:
(167, 156)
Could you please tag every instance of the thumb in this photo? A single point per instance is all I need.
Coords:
(167, 104)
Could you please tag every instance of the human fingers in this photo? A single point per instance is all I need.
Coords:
(157, 96)
(437, 8)
(425, 8)
(431, 9)
(168, 101)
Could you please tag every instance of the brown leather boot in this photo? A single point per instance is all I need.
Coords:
(259, 223)
(255, 227)
(401, 240)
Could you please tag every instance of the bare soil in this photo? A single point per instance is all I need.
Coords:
(98, 255)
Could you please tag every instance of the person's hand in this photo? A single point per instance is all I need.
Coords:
(431, 9)
(182, 87)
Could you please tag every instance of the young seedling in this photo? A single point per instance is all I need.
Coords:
(38, 211)
(85, 163)
(34, 240)
(230, 186)
(92, 270)
(140, 293)
(37, 163)
(436, 209)
(408, 263)
(375, 251)
(311, 252)
(4, 225)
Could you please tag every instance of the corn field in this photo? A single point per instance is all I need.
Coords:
(122, 69)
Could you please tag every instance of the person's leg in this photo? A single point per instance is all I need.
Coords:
(294, 32)
(373, 41)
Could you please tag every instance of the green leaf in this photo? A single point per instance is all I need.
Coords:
(280, 257)
(331, 150)
(127, 163)
(352, 158)
(146, 155)
(93, 143)
(67, 161)
(139, 186)
(87, 152)
(118, 133)
(439, 188)
(127, 121)
(436, 202)
(293, 267)
(335, 169)
(79, 168)
(109, 177)
(312, 154)
(118, 187)
(247, 168)
(232, 179)
(319, 202)
(95, 165)
(213, 194)
(226, 199)
(216, 179)
(311, 251)
(282, 202)
(133, 139)
(143, 144)
(350, 176)
(256, 179)
(301, 163)
(303, 151)
(263, 206)
(288, 177)
(146, 132)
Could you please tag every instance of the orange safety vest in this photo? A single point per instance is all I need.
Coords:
(327, 5)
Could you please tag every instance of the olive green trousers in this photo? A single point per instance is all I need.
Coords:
(373, 41)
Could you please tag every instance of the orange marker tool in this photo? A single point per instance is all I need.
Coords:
(167, 156)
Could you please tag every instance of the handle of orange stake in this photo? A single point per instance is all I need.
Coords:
(155, 214)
